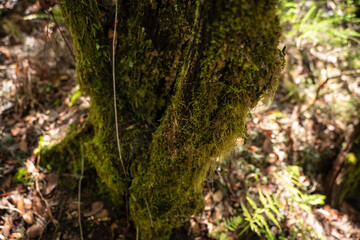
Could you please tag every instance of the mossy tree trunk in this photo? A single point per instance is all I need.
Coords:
(187, 73)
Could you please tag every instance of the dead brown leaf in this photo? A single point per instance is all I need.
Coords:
(5, 182)
(15, 131)
(103, 215)
(20, 204)
(95, 208)
(195, 228)
(29, 217)
(6, 52)
(37, 205)
(23, 145)
(217, 196)
(52, 181)
(15, 235)
(34, 231)
(7, 227)
(30, 167)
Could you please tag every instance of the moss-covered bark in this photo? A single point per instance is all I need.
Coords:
(187, 74)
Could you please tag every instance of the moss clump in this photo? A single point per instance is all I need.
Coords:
(350, 184)
(64, 156)
(231, 63)
(188, 72)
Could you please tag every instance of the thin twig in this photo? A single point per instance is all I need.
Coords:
(12, 209)
(137, 232)
(53, 220)
(62, 35)
(114, 86)
(79, 198)
(147, 206)
(43, 230)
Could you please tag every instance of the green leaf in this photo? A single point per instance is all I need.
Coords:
(276, 211)
(252, 203)
(308, 14)
(272, 218)
(315, 199)
(246, 213)
(244, 230)
(305, 207)
(262, 199)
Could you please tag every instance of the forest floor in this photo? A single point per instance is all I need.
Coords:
(291, 146)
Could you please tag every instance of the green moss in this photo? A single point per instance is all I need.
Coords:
(65, 156)
(350, 184)
(232, 62)
(187, 74)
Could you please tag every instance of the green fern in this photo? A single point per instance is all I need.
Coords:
(233, 223)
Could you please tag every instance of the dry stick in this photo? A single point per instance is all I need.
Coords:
(114, 87)
(62, 35)
(79, 197)
(53, 220)
(12, 209)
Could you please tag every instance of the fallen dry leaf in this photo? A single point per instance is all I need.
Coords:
(30, 167)
(267, 145)
(29, 217)
(23, 145)
(72, 204)
(7, 227)
(218, 213)
(95, 208)
(6, 52)
(217, 196)
(5, 182)
(52, 181)
(103, 215)
(34, 231)
(195, 228)
(271, 169)
(53, 115)
(28, 203)
(15, 131)
(37, 205)
(15, 235)
(20, 204)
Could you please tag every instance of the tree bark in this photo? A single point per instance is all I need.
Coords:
(187, 74)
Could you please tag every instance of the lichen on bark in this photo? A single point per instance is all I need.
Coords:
(188, 72)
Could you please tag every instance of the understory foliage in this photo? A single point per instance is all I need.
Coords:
(187, 73)
(263, 213)
(323, 38)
